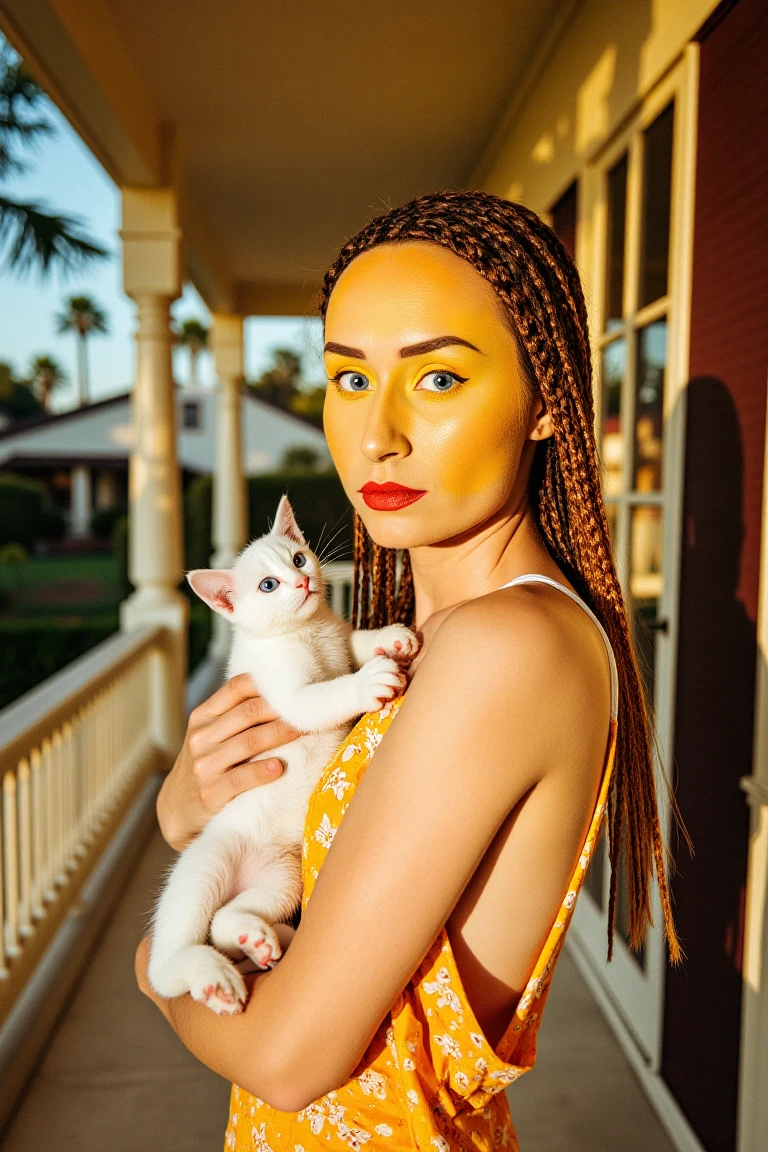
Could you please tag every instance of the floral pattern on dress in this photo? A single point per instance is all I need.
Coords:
(430, 1079)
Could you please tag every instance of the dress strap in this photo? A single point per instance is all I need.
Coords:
(529, 577)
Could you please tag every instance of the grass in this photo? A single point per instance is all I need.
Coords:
(54, 608)
(56, 584)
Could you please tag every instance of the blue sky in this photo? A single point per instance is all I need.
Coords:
(64, 175)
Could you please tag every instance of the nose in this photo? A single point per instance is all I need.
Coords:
(384, 434)
(303, 582)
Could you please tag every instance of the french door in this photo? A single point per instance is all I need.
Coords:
(633, 248)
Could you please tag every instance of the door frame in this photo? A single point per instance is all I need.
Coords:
(621, 982)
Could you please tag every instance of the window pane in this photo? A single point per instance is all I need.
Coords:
(617, 216)
(646, 584)
(657, 188)
(613, 374)
(649, 407)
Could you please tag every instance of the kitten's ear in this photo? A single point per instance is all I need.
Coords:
(285, 522)
(216, 587)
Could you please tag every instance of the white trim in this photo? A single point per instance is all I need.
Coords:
(661, 1099)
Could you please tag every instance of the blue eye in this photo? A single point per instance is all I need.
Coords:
(268, 584)
(352, 382)
(441, 381)
(299, 559)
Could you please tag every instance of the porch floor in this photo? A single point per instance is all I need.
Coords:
(115, 1075)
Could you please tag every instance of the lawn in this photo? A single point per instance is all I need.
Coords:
(61, 584)
(54, 608)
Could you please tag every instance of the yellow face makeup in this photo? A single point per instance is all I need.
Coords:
(427, 409)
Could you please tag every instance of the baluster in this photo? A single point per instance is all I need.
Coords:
(57, 760)
(25, 849)
(11, 866)
(38, 908)
(46, 776)
(70, 804)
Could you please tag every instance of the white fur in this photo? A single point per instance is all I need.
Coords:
(242, 874)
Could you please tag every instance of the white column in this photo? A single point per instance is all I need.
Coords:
(81, 503)
(230, 516)
(151, 259)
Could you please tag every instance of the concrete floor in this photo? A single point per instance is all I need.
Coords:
(116, 1077)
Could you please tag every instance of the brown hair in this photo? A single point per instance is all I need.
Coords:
(539, 288)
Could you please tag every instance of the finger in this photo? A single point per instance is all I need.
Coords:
(244, 745)
(254, 711)
(251, 775)
(231, 693)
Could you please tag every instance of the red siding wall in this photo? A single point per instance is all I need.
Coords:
(719, 580)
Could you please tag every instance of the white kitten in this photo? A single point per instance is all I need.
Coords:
(242, 874)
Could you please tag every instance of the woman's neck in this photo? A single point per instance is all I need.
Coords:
(505, 546)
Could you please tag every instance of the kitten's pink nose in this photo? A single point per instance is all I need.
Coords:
(303, 582)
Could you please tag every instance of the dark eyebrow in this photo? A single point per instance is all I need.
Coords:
(433, 345)
(345, 350)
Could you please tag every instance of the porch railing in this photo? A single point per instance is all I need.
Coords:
(74, 753)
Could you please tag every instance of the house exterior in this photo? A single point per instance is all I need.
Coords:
(638, 129)
(82, 455)
(642, 138)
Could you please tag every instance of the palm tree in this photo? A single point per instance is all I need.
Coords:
(194, 335)
(47, 375)
(30, 235)
(83, 316)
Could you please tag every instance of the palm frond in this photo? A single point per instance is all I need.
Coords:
(31, 237)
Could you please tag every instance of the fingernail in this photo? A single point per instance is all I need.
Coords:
(274, 766)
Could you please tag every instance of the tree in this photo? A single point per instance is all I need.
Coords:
(279, 383)
(300, 459)
(84, 317)
(193, 334)
(17, 400)
(47, 375)
(30, 235)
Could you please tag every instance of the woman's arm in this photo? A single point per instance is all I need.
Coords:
(467, 744)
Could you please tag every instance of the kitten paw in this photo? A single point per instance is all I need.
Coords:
(216, 983)
(259, 941)
(379, 680)
(239, 933)
(397, 642)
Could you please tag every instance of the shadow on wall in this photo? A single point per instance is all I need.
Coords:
(713, 748)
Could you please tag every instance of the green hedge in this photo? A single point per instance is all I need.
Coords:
(21, 505)
(198, 513)
(25, 513)
(34, 648)
(319, 502)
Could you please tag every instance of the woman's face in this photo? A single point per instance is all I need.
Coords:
(425, 396)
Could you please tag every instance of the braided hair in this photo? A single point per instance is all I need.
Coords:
(539, 287)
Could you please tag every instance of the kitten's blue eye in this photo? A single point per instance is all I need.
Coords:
(299, 559)
(439, 381)
(268, 584)
(352, 382)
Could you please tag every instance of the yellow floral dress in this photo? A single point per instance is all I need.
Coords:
(429, 1079)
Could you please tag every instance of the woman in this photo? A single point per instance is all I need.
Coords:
(459, 416)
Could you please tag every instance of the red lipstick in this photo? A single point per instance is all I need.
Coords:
(390, 496)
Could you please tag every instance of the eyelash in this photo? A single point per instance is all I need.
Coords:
(444, 371)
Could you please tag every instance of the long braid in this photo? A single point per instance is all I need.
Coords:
(538, 284)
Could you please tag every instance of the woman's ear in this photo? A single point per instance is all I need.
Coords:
(540, 425)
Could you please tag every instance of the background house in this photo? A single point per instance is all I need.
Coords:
(82, 455)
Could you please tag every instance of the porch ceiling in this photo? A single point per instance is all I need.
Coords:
(292, 122)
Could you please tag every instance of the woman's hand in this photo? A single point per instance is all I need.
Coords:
(212, 767)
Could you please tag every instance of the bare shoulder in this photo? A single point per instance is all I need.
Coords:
(532, 652)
